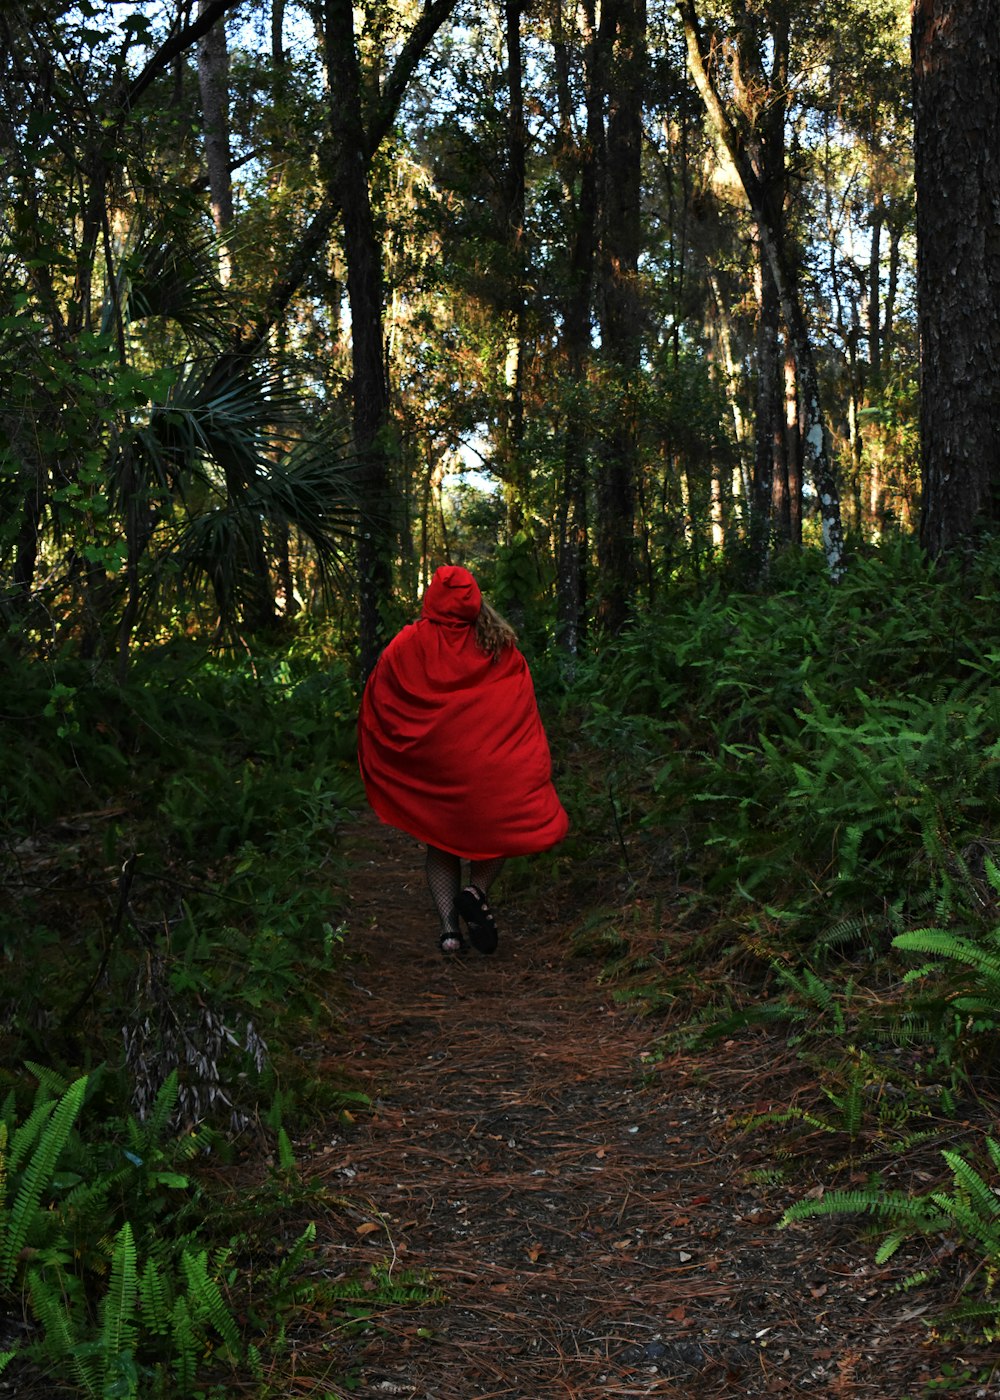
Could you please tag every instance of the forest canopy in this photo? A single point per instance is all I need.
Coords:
(299, 300)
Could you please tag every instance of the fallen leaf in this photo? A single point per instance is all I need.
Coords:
(535, 1253)
(368, 1228)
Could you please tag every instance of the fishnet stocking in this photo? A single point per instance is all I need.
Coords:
(444, 879)
(482, 873)
(444, 876)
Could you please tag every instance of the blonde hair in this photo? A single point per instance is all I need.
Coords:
(493, 632)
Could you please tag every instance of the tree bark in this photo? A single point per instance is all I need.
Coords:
(517, 142)
(622, 319)
(956, 70)
(768, 416)
(213, 85)
(793, 450)
(348, 177)
(580, 172)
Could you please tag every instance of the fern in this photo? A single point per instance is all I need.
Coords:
(62, 1343)
(286, 1153)
(186, 1347)
(52, 1083)
(206, 1300)
(38, 1176)
(970, 1211)
(866, 1201)
(118, 1308)
(293, 1260)
(942, 943)
(155, 1300)
(6, 1357)
(30, 1131)
(154, 1128)
(968, 1179)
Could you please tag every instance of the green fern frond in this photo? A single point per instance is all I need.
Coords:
(61, 1343)
(992, 874)
(984, 1312)
(255, 1364)
(152, 1131)
(893, 1204)
(118, 1307)
(185, 1347)
(6, 1357)
(37, 1176)
(763, 1015)
(942, 943)
(206, 1300)
(155, 1301)
(286, 1153)
(962, 1216)
(891, 1244)
(294, 1259)
(193, 1143)
(54, 1084)
(29, 1131)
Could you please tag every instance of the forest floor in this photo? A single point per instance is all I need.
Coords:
(597, 1221)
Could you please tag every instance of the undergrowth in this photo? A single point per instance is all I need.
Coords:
(172, 933)
(801, 788)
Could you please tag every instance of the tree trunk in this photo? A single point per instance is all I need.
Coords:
(349, 179)
(517, 140)
(793, 450)
(875, 291)
(956, 66)
(354, 139)
(278, 32)
(722, 331)
(817, 459)
(580, 168)
(622, 319)
(768, 417)
(213, 84)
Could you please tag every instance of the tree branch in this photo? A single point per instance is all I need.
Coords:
(433, 16)
(169, 50)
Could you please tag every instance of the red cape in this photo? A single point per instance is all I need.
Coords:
(450, 742)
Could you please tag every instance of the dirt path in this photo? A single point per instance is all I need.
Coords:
(588, 1210)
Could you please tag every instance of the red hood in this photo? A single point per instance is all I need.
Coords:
(452, 596)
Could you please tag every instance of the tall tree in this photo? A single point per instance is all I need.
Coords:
(580, 170)
(622, 318)
(956, 69)
(213, 84)
(514, 210)
(733, 134)
(357, 129)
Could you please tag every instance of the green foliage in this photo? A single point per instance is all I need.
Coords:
(968, 1212)
(215, 950)
(959, 990)
(110, 1308)
(35, 1149)
(828, 753)
(816, 771)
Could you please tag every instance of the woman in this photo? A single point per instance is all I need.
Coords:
(452, 751)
